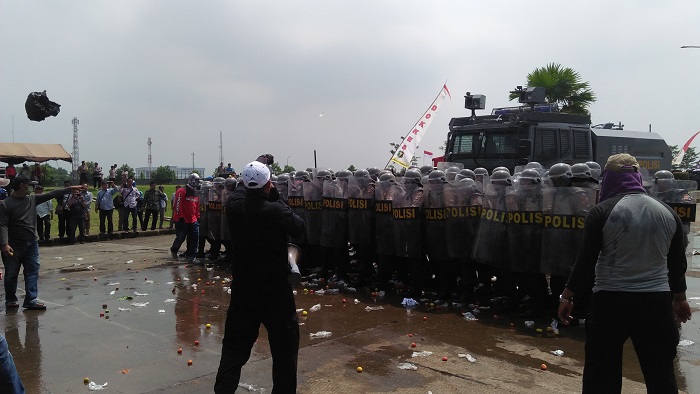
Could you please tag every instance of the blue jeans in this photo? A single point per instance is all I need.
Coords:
(9, 379)
(26, 255)
(189, 231)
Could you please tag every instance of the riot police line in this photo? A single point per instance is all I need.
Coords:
(450, 230)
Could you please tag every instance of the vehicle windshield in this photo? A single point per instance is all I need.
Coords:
(486, 143)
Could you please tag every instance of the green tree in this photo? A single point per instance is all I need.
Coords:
(564, 88)
(690, 160)
(395, 146)
(52, 175)
(287, 169)
(125, 167)
(276, 169)
(352, 168)
(163, 175)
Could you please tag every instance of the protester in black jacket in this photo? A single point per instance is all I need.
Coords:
(260, 228)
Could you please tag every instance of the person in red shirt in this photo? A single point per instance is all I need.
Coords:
(186, 219)
(11, 172)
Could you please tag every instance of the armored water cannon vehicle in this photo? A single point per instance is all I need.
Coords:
(538, 131)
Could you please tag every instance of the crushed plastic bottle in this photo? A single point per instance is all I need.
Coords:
(685, 342)
(92, 386)
(58, 258)
(332, 291)
(79, 258)
(356, 301)
(124, 309)
(409, 302)
(468, 316)
(557, 352)
(129, 261)
(555, 326)
(148, 282)
(251, 388)
(136, 293)
(408, 366)
(112, 292)
(529, 323)
(161, 311)
(170, 300)
(320, 334)
(113, 284)
(139, 304)
(315, 308)
(467, 356)
(373, 308)
(320, 292)
(424, 353)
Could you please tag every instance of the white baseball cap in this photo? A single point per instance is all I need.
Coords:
(255, 175)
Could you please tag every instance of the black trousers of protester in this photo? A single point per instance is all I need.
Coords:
(106, 214)
(150, 213)
(63, 220)
(126, 211)
(43, 227)
(646, 318)
(275, 309)
(76, 222)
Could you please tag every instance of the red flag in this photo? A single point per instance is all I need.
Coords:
(427, 153)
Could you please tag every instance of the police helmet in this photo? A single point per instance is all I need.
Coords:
(437, 177)
(373, 172)
(465, 173)
(663, 174)
(343, 174)
(531, 175)
(194, 180)
(425, 170)
(595, 169)
(361, 174)
(534, 166)
(501, 177)
(218, 181)
(230, 184)
(481, 171)
(412, 175)
(283, 178)
(560, 170)
(325, 175)
(451, 173)
(387, 177)
(500, 169)
(580, 170)
(467, 183)
(304, 175)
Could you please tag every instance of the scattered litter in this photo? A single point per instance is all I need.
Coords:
(299, 310)
(216, 307)
(125, 371)
(424, 353)
(148, 282)
(210, 268)
(685, 342)
(170, 300)
(373, 308)
(113, 284)
(467, 356)
(694, 298)
(468, 316)
(92, 386)
(58, 258)
(351, 289)
(228, 291)
(185, 278)
(408, 366)
(79, 259)
(124, 309)
(112, 292)
(332, 291)
(136, 293)
(315, 308)
(529, 323)
(76, 264)
(320, 334)
(139, 304)
(91, 268)
(555, 326)
(320, 292)
(125, 298)
(695, 253)
(161, 311)
(129, 261)
(356, 301)
(409, 302)
(251, 388)
(217, 277)
(294, 292)
(557, 352)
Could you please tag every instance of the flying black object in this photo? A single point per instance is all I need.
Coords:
(39, 107)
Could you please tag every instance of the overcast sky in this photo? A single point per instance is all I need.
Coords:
(263, 72)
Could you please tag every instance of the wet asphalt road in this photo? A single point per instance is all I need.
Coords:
(135, 348)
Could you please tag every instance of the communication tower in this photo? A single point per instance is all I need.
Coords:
(150, 173)
(221, 147)
(76, 153)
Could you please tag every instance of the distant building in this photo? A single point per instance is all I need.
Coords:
(180, 172)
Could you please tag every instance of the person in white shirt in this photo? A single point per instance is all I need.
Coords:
(104, 204)
(163, 204)
(87, 198)
(44, 213)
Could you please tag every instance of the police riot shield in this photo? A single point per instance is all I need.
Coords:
(406, 219)
(334, 215)
(677, 194)
(225, 231)
(490, 243)
(361, 210)
(295, 200)
(203, 220)
(313, 206)
(463, 202)
(214, 207)
(383, 203)
(524, 226)
(564, 213)
(282, 186)
(434, 226)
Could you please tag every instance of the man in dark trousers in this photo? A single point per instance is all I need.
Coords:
(633, 257)
(260, 228)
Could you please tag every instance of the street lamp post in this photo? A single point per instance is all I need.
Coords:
(288, 160)
(690, 46)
